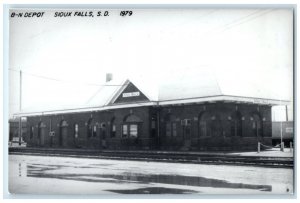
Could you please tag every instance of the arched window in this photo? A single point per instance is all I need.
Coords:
(131, 125)
(63, 123)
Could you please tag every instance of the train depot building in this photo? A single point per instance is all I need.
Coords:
(194, 114)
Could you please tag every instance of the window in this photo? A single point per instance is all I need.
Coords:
(90, 128)
(31, 132)
(203, 124)
(94, 131)
(153, 128)
(133, 131)
(131, 125)
(76, 130)
(124, 130)
(112, 127)
(256, 125)
(113, 130)
(130, 129)
(90, 131)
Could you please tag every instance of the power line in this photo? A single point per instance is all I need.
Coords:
(237, 22)
(242, 22)
(59, 80)
(242, 18)
(216, 28)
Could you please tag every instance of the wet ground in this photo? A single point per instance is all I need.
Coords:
(64, 175)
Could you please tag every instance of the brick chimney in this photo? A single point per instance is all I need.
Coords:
(109, 77)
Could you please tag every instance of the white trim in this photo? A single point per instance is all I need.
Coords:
(119, 92)
(234, 99)
(144, 93)
(88, 109)
(213, 99)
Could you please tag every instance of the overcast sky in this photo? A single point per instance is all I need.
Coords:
(254, 45)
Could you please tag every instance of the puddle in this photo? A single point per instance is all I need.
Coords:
(154, 190)
(101, 165)
(186, 180)
(42, 172)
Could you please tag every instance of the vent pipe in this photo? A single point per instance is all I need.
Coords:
(109, 77)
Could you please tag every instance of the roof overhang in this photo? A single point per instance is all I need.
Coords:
(86, 109)
(227, 98)
(210, 99)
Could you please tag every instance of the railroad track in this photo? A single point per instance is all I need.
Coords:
(163, 156)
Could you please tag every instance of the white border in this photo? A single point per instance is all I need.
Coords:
(4, 119)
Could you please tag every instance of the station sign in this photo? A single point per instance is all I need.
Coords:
(131, 94)
(261, 101)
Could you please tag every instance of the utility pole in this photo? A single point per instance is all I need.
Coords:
(158, 127)
(50, 133)
(281, 138)
(286, 113)
(281, 132)
(20, 118)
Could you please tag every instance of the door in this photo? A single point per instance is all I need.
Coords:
(103, 136)
(41, 134)
(63, 134)
(187, 135)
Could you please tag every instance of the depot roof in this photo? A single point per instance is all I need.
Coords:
(185, 87)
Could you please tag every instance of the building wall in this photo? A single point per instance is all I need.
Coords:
(101, 139)
(223, 137)
(215, 126)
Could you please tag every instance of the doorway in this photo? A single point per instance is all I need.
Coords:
(63, 133)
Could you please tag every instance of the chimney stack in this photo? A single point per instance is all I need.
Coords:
(109, 77)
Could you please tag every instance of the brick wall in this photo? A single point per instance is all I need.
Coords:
(100, 119)
(221, 130)
(222, 138)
